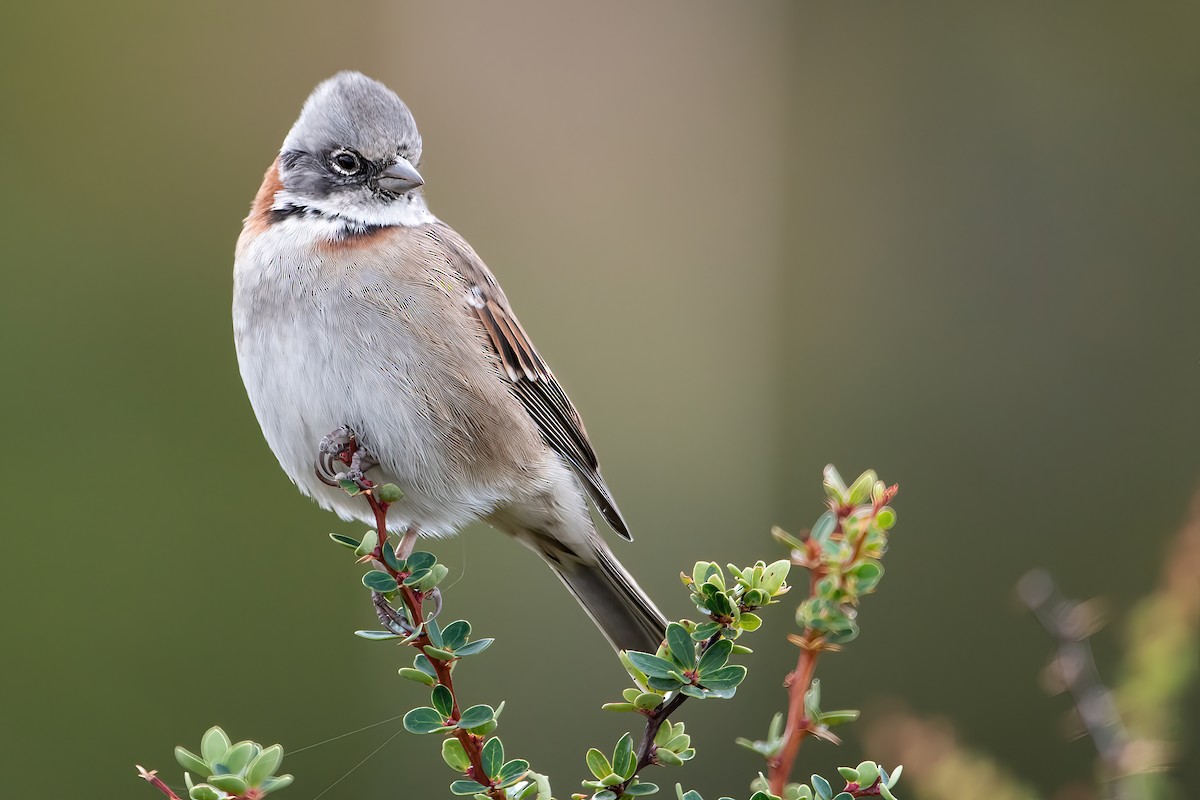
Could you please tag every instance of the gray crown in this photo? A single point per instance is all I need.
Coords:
(354, 111)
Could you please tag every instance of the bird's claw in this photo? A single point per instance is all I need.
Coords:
(390, 617)
(342, 448)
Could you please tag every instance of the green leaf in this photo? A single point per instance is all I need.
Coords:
(202, 791)
(437, 574)
(471, 648)
(824, 527)
(618, 707)
(860, 490)
(435, 633)
(454, 755)
(389, 557)
(849, 774)
(683, 650)
(455, 634)
(377, 636)
(379, 581)
(843, 796)
(663, 684)
(841, 717)
(641, 788)
(344, 541)
(264, 764)
(214, 744)
(234, 784)
(512, 772)
(750, 622)
(438, 653)
(868, 576)
(724, 678)
(867, 771)
(605, 794)
(812, 700)
(368, 544)
(191, 762)
(895, 776)
(492, 756)
(647, 701)
(476, 715)
(705, 630)
(467, 788)
(598, 763)
(423, 720)
(835, 487)
(388, 493)
(774, 575)
(821, 787)
(651, 665)
(416, 577)
(666, 756)
(276, 783)
(417, 675)
(238, 756)
(443, 700)
(422, 663)
(421, 560)
(886, 518)
(623, 761)
(715, 656)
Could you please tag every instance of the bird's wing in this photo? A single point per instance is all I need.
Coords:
(532, 381)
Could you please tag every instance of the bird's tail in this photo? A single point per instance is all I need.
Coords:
(624, 613)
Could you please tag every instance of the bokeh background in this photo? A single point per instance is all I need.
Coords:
(953, 242)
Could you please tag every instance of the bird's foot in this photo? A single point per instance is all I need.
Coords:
(392, 618)
(341, 457)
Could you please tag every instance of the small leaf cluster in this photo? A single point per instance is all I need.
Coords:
(843, 552)
(620, 771)
(233, 770)
(868, 779)
(503, 772)
(693, 658)
(420, 572)
(691, 662)
(730, 608)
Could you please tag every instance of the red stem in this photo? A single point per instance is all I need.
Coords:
(151, 777)
(798, 724)
(413, 599)
(779, 768)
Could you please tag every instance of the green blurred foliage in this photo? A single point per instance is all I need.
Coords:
(955, 242)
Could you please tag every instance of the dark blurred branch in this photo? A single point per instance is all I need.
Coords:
(1070, 624)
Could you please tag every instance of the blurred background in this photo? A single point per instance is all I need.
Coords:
(955, 243)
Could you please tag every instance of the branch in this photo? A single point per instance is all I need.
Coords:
(848, 519)
(151, 777)
(1074, 665)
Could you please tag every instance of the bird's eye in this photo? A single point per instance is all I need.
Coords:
(346, 162)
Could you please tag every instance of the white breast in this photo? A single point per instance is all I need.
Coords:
(312, 360)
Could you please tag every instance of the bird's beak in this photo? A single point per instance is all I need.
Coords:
(400, 176)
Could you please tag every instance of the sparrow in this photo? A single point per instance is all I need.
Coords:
(356, 309)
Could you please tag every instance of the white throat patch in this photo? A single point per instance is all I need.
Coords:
(355, 212)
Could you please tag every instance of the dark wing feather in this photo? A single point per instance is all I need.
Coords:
(532, 381)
